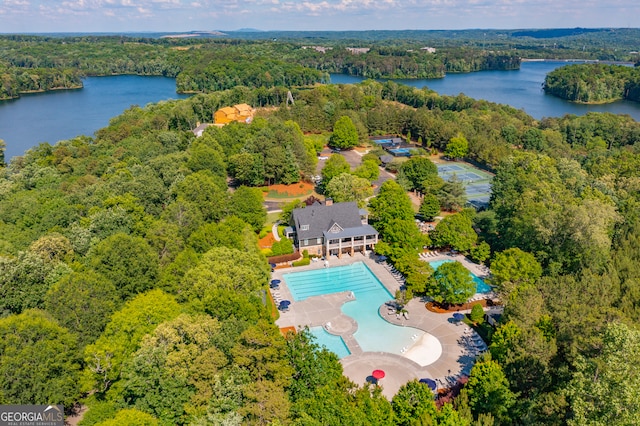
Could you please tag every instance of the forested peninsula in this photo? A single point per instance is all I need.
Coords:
(594, 83)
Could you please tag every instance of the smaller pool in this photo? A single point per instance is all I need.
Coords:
(481, 286)
(401, 152)
(383, 141)
(333, 343)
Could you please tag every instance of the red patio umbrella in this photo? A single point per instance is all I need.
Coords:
(378, 374)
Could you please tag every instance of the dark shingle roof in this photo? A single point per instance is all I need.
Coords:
(320, 218)
(352, 232)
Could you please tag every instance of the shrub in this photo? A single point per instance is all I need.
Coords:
(302, 262)
(284, 246)
(477, 314)
(305, 254)
(264, 232)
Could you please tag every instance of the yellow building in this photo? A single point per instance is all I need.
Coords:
(241, 113)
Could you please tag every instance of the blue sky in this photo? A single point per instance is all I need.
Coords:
(185, 15)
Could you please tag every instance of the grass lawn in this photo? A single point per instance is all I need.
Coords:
(272, 218)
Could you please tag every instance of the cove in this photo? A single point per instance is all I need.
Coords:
(60, 115)
(522, 89)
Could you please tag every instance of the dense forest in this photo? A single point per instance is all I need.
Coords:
(266, 59)
(594, 83)
(131, 279)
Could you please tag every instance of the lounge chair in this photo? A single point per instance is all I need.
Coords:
(406, 315)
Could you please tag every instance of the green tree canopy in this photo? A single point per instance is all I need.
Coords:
(412, 403)
(417, 170)
(458, 147)
(452, 195)
(489, 392)
(334, 166)
(122, 337)
(231, 232)
(429, 207)
(392, 202)
(246, 203)
(347, 187)
(369, 169)
(207, 192)
(174, 363)
(604, 389)
(513, 268)
(226, 282)
(83, 303)
(247, 168)
(24, 281)
(127, 261)
(39, 361)
(345, 134)
(455, 231)
(207, 154)
(130, 417)
(454, 283)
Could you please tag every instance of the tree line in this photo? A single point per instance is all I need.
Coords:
(594, 83)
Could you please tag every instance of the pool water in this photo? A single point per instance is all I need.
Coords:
(333, 343)
(374, 334)
(406, 152)
(333, 280)
(481, 286)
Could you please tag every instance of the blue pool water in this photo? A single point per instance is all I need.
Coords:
(405, 152)
(333, 343)
(374, 334)
(481, 286)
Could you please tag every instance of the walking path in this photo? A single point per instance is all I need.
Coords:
(274, 231)
(443, 350)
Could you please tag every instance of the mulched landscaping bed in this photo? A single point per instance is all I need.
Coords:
(294, 190)
(445, 309)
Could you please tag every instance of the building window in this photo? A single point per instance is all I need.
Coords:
(304, 227)
(318, 240)
(306, 243)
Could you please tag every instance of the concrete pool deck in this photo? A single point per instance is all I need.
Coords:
(459, 345)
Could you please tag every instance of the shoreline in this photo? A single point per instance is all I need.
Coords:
(587, 61)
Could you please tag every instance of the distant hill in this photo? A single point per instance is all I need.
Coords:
(557, 32)
(248, 30)
(213, 33)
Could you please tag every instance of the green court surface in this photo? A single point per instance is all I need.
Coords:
(476, 182)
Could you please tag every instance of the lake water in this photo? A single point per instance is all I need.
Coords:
(521, 89)
(59, 115)
(54, 116)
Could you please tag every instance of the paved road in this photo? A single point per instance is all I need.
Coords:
(273, 206)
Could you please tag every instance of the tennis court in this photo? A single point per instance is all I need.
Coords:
(477, 182)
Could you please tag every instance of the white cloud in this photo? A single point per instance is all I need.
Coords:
(180, 15)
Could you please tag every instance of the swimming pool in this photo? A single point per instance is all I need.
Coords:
(401, 152)
(481, 286)
(374, 334)
(333, 343)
